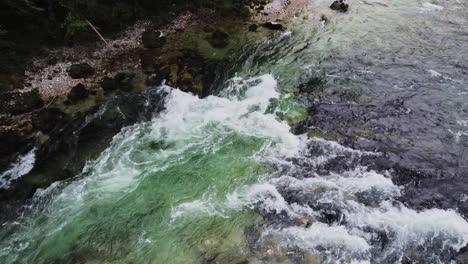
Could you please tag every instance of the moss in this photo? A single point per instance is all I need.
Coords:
(313, 133)
(74, 25)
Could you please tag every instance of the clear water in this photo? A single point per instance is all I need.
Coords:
(192, 184)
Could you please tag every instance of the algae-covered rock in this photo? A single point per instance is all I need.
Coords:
(219, 39)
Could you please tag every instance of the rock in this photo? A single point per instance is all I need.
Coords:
(148, 58)
(314, 84)
(77, 93)
(273, 26)
(208, 29)
(52, 61)
(153, 39)
(10, 138)
(17, 102)
(188, 71)
(253, 27)
(123, 81)
(81, 70)
(219, 39)
(108, 84)
(324, 19)
(340, 5)
(46, 119)
(311, 259)
(462, 256)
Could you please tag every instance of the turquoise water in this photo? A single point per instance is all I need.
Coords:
(135, 202)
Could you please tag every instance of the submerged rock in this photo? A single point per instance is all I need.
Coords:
(273, 26)
(219, 39)
(340, 5)
(81, 70)
(18, 102)
(253, 27)
(123, 81)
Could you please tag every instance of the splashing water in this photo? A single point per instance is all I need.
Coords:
(181, 189)
(223, 180)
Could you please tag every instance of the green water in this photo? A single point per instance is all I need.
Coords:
(156, 194)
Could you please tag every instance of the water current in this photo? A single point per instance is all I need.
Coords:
(223, 179)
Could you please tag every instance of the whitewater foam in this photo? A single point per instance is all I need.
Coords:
(22, 167)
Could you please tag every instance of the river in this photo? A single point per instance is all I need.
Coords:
(222, 179)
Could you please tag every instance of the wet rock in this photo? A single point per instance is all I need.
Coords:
(18, 102)
(47, 119)
(273, 26)
(311, 259)
(9, 139)
(340, 5)
(148, 59)
(81, 70)
(462, 256)
(314, 84)
(188, 71)
(123, 81)
(153, 39)
(52, 61)
(208, 28)
(324, 19)
(77, 93)
(219, 39)
(108, 84)
(253, 27)
(330, 214)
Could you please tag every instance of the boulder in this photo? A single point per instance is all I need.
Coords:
(340, 5)
(108, 84)
(19, 102)
(52, 61)
(123, 81)
(273, 26)
(148, 58)
(253, 27)
(77, 93)
(81, 70)
(153, 39)
(219, 39)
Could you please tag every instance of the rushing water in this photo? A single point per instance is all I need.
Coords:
(223, 180)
